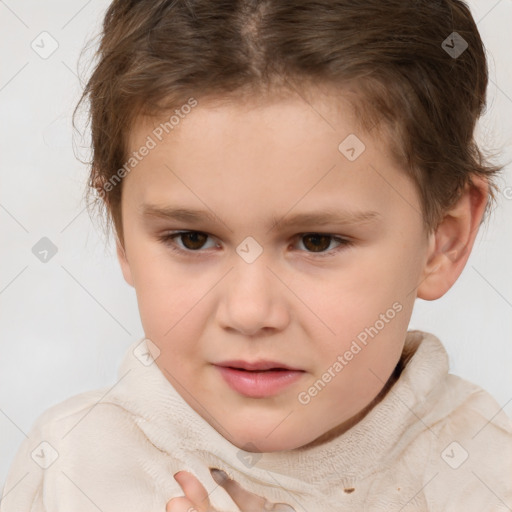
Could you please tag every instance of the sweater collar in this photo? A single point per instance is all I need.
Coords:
(174, 427)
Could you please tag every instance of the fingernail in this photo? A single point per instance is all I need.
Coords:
(218, 475)
(283, 507)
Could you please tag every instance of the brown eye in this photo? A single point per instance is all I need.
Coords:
(317, 242)
(193, 240)
(190, 242)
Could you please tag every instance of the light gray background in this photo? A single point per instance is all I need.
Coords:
(65, 324)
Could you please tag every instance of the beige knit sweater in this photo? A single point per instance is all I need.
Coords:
(435, 442)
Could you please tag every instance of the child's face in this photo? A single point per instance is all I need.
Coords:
(222, 301)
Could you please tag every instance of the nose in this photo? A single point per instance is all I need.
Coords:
(253, 298)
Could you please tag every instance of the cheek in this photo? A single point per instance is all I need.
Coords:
(348, 298)
(167, 299)
(364, 311)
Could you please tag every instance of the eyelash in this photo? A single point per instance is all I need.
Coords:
(168, 240)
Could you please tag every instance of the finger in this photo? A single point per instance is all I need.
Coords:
(245, 500)
(281, 507)
(193, 490)
(181, 504)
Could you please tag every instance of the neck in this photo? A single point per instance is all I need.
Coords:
(346, 425)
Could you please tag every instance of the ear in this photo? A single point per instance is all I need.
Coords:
(123, 261)
(450, 245)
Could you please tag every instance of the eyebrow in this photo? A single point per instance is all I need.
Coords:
(317, 218)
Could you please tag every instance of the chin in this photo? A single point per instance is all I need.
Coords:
(263, 446)
(261, 442)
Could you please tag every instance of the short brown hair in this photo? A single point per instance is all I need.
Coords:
(154, 55)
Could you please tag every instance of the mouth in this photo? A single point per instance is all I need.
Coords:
(258, 371)
(262, 365)
(258, 382)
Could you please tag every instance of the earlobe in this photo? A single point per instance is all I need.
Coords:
(450, 245)
(123, 261)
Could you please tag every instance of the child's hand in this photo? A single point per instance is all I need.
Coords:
(196, 498)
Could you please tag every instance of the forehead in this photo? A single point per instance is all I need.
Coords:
(326, 102)
(282, 150)
(276, 122)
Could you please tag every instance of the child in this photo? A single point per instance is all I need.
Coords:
(284, 180)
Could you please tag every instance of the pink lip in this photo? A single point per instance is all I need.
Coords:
(263, 364)
(259, 384)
